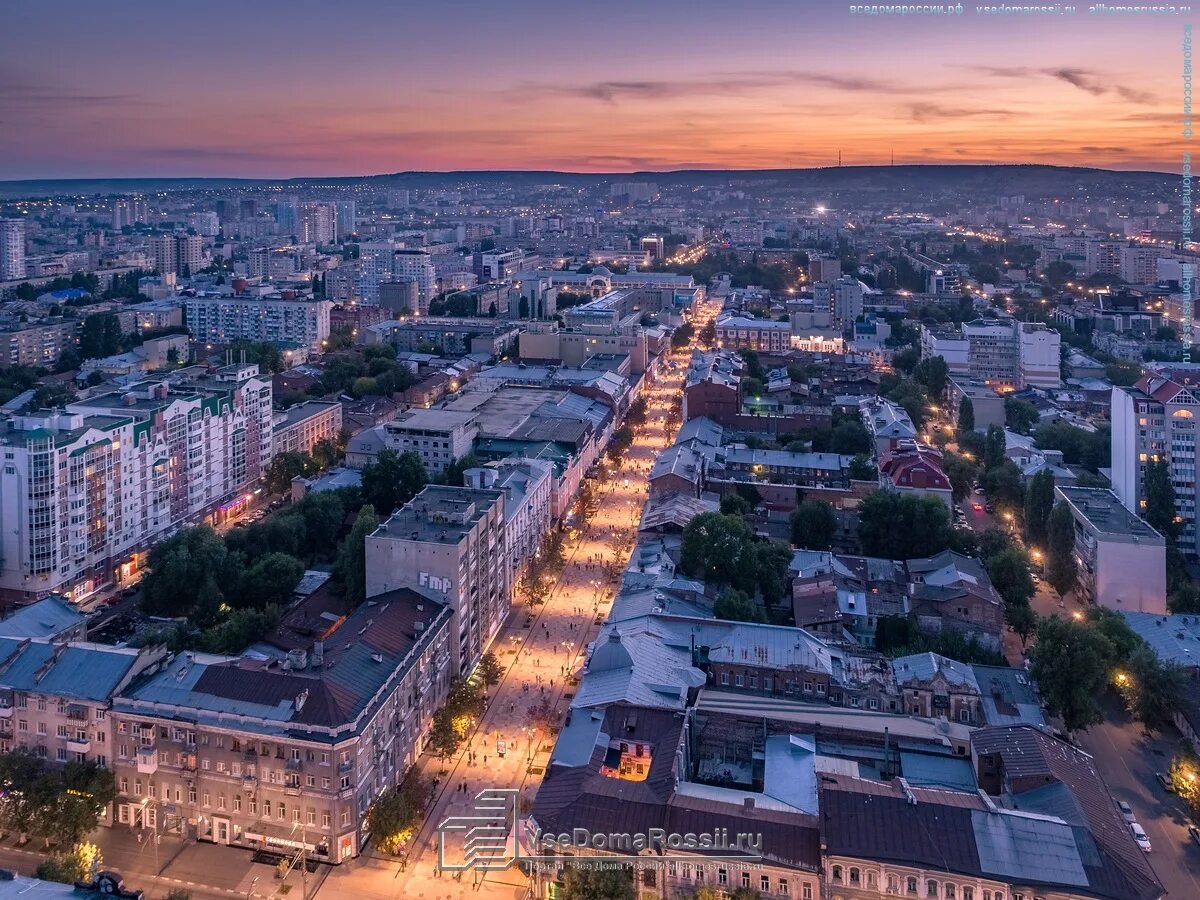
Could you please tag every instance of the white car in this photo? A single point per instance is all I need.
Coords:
(1126, 811)
(1139, 835)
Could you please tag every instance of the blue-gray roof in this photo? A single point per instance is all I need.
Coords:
(78, 670)
(46, 618)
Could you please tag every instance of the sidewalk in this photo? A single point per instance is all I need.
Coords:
(538, 661)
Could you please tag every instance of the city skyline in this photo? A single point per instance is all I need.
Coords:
(247, 92)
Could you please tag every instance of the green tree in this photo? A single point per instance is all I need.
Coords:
(286, 466)
(735, 606)
(352, 561)
(619, 444)
(861, 468)
(270, 581)
(813, 525)
(966, 416)
(1022, 620)
(1160, 512)
(490, 670)
(70, 866)
(992, 541)
(394, 815)
(596, 884)
(993, 447)
(1153, 691)
(902, 526)
(933, 373)
(1039, 501)
(1020, 415)
(180, 567)
(718, 548)
(1062, 570)
(771, 561)
(323, 513)
(1070, 663)
(392, 480)
(1009, 574)
(100, 335)
(1004, 487)
(1185, 777)
(735, 505)
(961, 472)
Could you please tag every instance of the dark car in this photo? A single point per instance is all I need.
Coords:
(1194, 834)
(1164, 782)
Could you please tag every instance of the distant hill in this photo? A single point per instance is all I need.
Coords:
(1032, 180)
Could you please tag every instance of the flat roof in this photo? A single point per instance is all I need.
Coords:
(1101, 508)
(438, 513)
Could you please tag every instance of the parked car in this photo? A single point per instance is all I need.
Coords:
(1164, 782)
(987, 507)
(1126, 811)
(1139, 835)
(129, 592)
(978, 489)
(1194, 833)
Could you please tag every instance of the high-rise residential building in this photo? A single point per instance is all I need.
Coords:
(84, 493)
(287, 215)
(499, 265)
(418, 265)
(318, 223)
(1152, 421)
(346, 217)
(1139, 263)
(633, 191)
(452, 541)
(205, 224)
(267, 317)
(824, 268)
(846, 302)
(12, 249)
(1102, 258)
(129, 211)
(179, 253)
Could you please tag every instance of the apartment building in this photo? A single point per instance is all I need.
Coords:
(763, 335)
(528, 486)
(179, 253)
(438, 436)
(452, 541)
(298, 428)
(1154, 420)
(12, 249)
(1005, 354)
(84, 493)
(1122, 560)
(986, 404)
(278, 318)
(37, 345)
(289, 753)
(55, 697)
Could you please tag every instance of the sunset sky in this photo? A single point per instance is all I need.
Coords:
(306, 88)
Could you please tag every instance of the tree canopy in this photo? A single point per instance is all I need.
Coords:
(902, 526)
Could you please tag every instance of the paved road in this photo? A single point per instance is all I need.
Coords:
(536, 658)
(1127, 761)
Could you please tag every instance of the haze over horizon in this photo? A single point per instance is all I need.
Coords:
(242, 91)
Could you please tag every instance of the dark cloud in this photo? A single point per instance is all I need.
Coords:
(719, 83)
(1086, 80)
(933, 112)
(1104, 149)
(17, 91)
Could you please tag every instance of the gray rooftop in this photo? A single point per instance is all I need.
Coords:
(1105, 514)
(439, 513)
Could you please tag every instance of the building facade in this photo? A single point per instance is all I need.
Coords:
(451, 540)
(274, 318)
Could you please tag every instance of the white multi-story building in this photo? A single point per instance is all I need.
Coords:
(1155, 420)
(744, 333)
(845, 302)
(318, 223)
(221, 318)
(437, 436)
(12, 249)
(206, 224)
(451, 540)
(745, 232)
(1122, 560)
(84, 493)
(346, 217)
(1102, 258)
(1139, 263)
(528, 486)
(1004, 353)
(417, 265)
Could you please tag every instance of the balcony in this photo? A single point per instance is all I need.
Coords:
(294, 765)
(346, 793)
(6, 712)
(81, 745)
(147, 760)
(346, 766)
(249, 782)
(292, 790)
